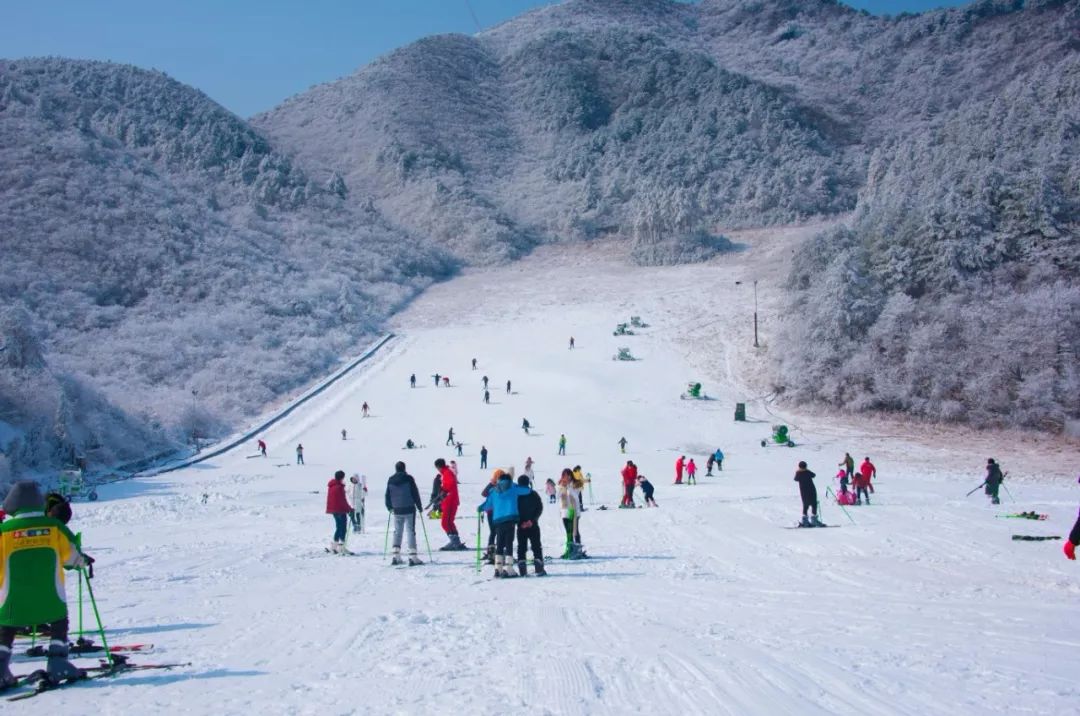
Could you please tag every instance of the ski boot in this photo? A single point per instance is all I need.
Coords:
(489, 556)
(538, 567)
(507, 572)
(498, 566)
(522, 568)
(414, 561)
(804, 522)
(58, 668)
(7, 679)
(816, 522)
(396, 560)
(335, 547)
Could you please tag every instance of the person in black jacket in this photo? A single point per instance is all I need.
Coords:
(403, 499)
(808, 492)
(530, 507)
(993, 480)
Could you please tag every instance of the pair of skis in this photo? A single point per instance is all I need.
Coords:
(40, 681)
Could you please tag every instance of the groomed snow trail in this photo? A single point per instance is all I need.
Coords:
(704, 605)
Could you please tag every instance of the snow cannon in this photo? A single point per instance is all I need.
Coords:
(693, 392)
(623, 354)
(779, 437)
(622, 329)
(636, 322)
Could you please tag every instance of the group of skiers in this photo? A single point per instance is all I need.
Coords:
(861, 479)
(689, 467)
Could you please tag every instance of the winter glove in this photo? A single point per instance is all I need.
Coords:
(1070, 550)
(526, 524)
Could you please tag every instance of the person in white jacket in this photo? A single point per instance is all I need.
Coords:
(356, 499)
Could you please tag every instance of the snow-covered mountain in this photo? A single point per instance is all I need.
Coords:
(162, 251)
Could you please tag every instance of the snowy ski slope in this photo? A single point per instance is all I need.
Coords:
(704, 605)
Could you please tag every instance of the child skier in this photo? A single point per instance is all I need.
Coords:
(530, 507)
(434, 511)
(503, 503)
(403, 500)
(647, 489)
(549, 489)
(691, 472)
(808, 492)
(338, 507)
(841, 475)
(36, 549)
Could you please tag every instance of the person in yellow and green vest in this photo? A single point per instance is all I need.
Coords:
(35, 549)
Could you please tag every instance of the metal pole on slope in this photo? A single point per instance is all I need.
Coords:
(97, 614)
(755, 314)
(386, 540)
(829, 491)
(423, 524)
(479, 530)
(976, 488)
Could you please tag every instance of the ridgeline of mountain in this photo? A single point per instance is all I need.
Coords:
(165, 254)
(952, 134)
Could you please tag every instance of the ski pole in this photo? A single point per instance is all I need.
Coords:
(423, 525)
(479, 536)
(973, 491)
(97, 615)
(386, 541)
(592, 501)
(828, 491)
(80, 609)
(1007, 491)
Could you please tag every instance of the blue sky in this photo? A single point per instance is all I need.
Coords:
(249, 55)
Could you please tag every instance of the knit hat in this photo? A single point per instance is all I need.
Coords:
(497, 475)
(25, 496)
(523, 480)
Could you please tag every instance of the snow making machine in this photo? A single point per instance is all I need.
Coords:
(779, 436)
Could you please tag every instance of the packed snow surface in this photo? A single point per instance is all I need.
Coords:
(706, 604)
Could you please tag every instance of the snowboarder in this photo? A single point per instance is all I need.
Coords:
(571, 343)
(446, 381)
(299, 454)
(343, 434)
(359, 497)
(562, 444)
(508, 387)
(35, 548)
(483, 457)
(449, 508)
(474, 364)
(719, 457)
(524, 424)
(679, 468)
(436, 376)
(549, 489)
(262, 447)
(487, 396)
(365, 411)
(412, 380)
(691, 472)
(647, 489)
(503, 503)
(622, 445)
(529, 467)
(863, 486)
(530, 507)
(629, 478)
(485, 379)
(338, 507)
(403, 500)
(808, 492)
(848, 463)
(450, 437)
(994, 479)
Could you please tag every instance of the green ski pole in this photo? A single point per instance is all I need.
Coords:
(479, 534)
(97, 615)
(424, 525)
(386, 541)
(828, 491)
(81, 632)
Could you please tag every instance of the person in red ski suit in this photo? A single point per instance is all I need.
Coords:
(862, 481)
(450, 504)
(868, 471)
(678, 469)
(629, 479)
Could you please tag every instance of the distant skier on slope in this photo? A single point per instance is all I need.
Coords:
(343, 434)
(262, 447)
(719, 457)
(474, 364)
(848, 463)
(508, 387)
(525, 425)
(994, 478)
(549, 489)
(403, 500)
(412, 380)
(299, 454)
(450, 437)
(622, 445)
(808, 493)
(571, 343)
(647, 489)
(365, 411)
(485, 379)
(562, 444)
(436, 376)
(483, 456)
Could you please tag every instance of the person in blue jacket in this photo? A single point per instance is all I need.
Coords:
(503, 503)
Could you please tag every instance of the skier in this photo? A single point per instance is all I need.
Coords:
(449, 506)
(412, 380)
(529, 467)
(524, 424)
(450, 437)
(647, 489)
(365, 410)
(862, 480)
(562, 444)
(571, 343)
(262, 447)
(622, 445)
(485, 379)
(530, 507)
(569, 501)
(503, 503)
(487, 397)
(299, 454)
(508, 387)
(434, 509)
(719, 457)
(459, 445)
(679, 468)
(403, 500)
(848, 463)
(841, 475)
(629, 477)
(446, 381)
(483, 457)
(36, 550)
(994, 479)
(708, 466)
(808, 492)
(343, 434)
(474, 364)
(338, 507)
(549, 489)
(359, 495)
(436, 376)
(691, 472)
(409, 444)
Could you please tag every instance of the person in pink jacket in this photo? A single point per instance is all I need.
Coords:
(691, 472)
(337, 505)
